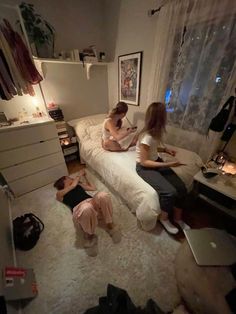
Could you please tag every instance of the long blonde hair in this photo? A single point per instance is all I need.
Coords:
(155, 120)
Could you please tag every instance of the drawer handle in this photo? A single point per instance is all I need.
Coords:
(41, 141)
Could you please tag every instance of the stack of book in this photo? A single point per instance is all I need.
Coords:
(61, 130)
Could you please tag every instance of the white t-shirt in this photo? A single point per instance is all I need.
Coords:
(147, 139)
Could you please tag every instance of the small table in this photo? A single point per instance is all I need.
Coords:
(70, 149)
(219, 191)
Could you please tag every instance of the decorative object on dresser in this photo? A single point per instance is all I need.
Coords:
(30, 156)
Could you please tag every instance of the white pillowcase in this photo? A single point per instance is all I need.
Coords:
(95, 131)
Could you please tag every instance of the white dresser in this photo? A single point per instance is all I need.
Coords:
(31, 156)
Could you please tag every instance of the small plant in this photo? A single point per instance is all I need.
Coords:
(39, 31)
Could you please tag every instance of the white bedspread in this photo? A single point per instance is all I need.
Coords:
(118, 170)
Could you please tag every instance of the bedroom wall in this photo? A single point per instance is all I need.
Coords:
(68, 87)
(78, 24)
(136, 32)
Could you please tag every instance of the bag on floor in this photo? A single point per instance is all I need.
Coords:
(26, 231)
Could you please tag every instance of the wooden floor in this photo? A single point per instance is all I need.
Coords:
(198, 214)
(74, 166)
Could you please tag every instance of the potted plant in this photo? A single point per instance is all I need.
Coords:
(40, 33)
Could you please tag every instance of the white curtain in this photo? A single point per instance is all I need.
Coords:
(171, 17)
(193, 67)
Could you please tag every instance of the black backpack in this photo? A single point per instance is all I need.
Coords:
(26, 231)
(219, 121)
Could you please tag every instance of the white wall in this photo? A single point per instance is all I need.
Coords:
(78, 24)
(135, 33)
(68, 87)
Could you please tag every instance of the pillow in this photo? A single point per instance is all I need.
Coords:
(95, 131)
(81, 125)
(90, 120)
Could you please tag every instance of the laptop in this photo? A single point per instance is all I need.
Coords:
(212, 247)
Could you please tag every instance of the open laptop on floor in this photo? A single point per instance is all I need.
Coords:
(212, 247)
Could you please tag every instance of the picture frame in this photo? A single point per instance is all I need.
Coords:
(129, 77)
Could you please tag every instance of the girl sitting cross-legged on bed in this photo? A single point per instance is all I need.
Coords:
(114, 137)
(151, 168)
(87, 209)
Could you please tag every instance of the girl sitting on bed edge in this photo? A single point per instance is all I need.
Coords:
(114, 137)
(152, 169)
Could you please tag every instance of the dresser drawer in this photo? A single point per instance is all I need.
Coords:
(37, 180)
(33, 166)
(27, 135)
(23, 154)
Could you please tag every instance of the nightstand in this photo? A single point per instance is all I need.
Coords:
(219, 191)
(70, 148)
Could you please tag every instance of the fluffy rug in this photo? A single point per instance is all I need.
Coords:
(70, 281)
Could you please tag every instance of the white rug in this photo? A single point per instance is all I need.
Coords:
(69, 281)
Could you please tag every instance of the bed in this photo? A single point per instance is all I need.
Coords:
(117, 169)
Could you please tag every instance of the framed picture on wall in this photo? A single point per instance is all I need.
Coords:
(129, 71)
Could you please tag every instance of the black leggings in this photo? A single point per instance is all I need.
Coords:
(169, 186)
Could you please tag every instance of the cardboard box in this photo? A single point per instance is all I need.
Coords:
(19, 284)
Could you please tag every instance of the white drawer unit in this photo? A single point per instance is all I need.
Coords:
(31, 156)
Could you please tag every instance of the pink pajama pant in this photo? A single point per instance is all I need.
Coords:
(87, 212)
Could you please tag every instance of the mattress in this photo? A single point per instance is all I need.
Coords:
(118, 169)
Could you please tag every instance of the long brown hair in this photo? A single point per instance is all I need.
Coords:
(120, 108)
(155, 120)
(59, 184)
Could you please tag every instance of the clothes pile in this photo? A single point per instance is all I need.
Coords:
(118, 301)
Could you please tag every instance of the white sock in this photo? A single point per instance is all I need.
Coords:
(183, 225)
(169, 227)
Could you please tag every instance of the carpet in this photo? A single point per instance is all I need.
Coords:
(70, 281)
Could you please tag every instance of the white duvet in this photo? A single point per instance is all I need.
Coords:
(118, 170)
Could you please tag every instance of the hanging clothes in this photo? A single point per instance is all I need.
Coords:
(19, 82)
(6, 75)
(17, 70)
(21, 55)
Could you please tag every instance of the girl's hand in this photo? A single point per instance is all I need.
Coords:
(176, 164)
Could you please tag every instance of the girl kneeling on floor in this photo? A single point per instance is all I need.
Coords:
(86, 209)
(151, 168)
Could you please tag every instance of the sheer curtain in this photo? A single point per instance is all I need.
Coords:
(171, 17)
(197, 74)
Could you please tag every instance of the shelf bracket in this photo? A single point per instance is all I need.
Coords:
(88, 67)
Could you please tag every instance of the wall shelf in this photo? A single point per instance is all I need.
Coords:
(87, 65)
